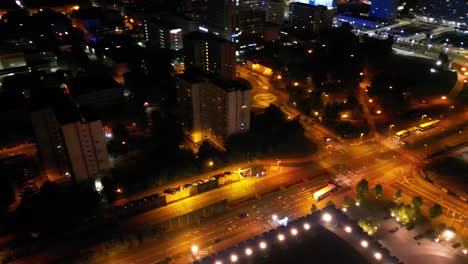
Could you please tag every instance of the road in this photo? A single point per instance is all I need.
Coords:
(371, 160)
(28, 149)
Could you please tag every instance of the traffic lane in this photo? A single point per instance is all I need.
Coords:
(285, 205)
(29, 149)
(226, 225)
(435, 196)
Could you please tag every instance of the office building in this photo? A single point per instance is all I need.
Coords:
(213, 109)
(275, 11)
(384, 10)
(309, 18)
(70, 148)
(162, 34)
(210, 54)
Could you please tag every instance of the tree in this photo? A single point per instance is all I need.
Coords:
(398, 195)
(378, 190)
(417, 202)
(330, 204)
(313, 209)
(347, 202)
(359, 199)
(435, 211)
(362, 187)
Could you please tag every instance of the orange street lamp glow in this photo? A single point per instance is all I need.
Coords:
(296, 84)
(379, 112)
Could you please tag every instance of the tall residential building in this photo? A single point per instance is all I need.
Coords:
(275, 11)
(240, 21)
(213, 109)
(210, 54)
(309, 18)
(384, 10)
(162, 34)
(70, 149)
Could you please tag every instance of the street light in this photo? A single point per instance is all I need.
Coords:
(194, 249)
(248, 251)
(378, 256)
(262, 245)
(390, 129)
(274, 217)
(218, 262)
(362, 134)
(234, 258)
(306, 226)
(423, 116)
(294, 231)
(444, 97)
(348, 229)
(449, 234)
(281, 237)
(210, 163)
(364, 243)
(379, 112)
(327, 217)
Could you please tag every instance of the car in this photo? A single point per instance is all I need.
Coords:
(393, 230)
(243, 215)
(327, 139)
(418, 237)
(456, 245)
(404, 143)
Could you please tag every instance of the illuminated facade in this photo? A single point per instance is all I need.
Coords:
(308, 18)
(70, 149)
(163, 35)
(213, 109)
(210, 54)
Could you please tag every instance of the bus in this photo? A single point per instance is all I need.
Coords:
(429, 125)
(403, 133)
(324, 192)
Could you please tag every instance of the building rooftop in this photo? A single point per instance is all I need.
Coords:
(196, 76)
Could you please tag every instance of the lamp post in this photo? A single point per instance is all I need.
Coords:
(423, 116)
(390, 129)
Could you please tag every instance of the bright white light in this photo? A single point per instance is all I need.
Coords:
(433, 70)
(98, 185)
(294, 231)
(344, 209)
(357, 204)
(438, 63)
(274, 217)
(378, 256)
(327, 217)
(248, 251)
(234, 258)
(364, 243)
(348, 229)
(281, 237)
(194, 249)
(437, 240)
(262, 245)
(449, 234)
(283, 221)
(218, 262)
(175, 31)
(398, 219)
(203, 29)
(393, 215)
(306, 226)
(465, 251)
